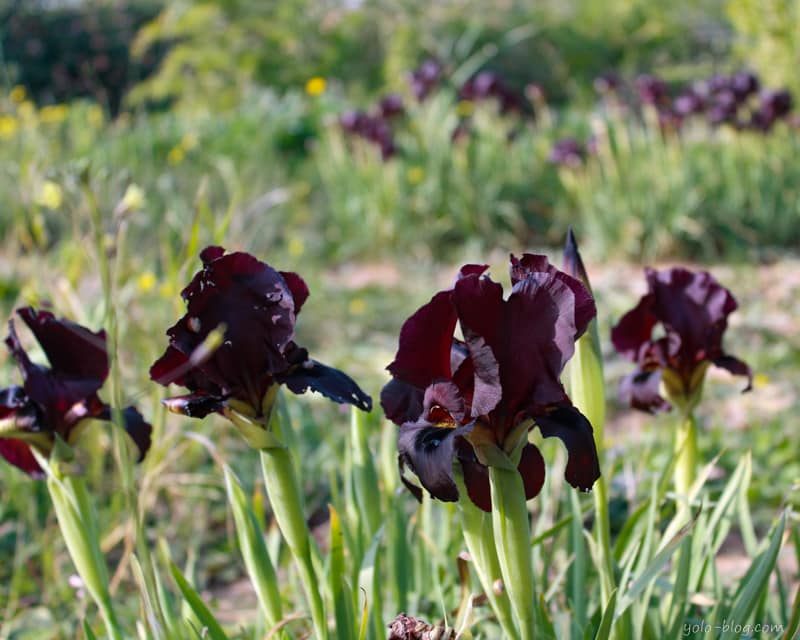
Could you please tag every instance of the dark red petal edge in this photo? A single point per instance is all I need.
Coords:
(573, 429)
(736, 367)
(331, 383)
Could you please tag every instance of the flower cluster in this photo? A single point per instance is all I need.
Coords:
(692, 309)
(737, 100)
(487, 85)
(375, 125)
(57, 402)
(425, 79)
(474, 400)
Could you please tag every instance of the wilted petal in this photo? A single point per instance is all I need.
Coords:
(195, 405)
(736, 367)
(428, 452)
(331, 383)
(641, 391)
(573, 429)
(426, 338)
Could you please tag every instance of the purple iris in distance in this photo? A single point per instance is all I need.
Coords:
(692, 308)
(56, 401)
(257, 306)
(465, 399)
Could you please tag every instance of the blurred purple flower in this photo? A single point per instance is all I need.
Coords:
(568, 152)
(692, 308)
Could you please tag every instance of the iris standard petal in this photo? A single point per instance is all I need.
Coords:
(423, 354)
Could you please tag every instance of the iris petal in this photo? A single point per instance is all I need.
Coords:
(425, 342)
(736, 367)
(428, 451)
(331, 383)
(573, 429)
(640, 390)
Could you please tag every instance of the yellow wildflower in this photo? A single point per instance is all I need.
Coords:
(357, 306)
(8, 126)
(176, 155)
(295, 247)
(415, 175)
(146, 282)
(189, 141)
(315, 86)
(133, 200)
(18, 94)
(53, 113)
(465, 108)
(50, 195)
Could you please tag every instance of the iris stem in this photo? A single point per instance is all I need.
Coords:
(686, 463)
(78, 524)
(512, 535)
(479, 537)
(287, 505)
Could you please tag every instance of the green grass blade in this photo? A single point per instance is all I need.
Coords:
(604, 630)
(204, 615)
(756, 580)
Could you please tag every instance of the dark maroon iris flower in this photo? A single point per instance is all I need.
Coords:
(257, 306)
(692, 308)
(56, 401)
(475, 399)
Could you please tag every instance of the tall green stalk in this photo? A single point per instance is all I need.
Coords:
(512, 535)
(283, 490)
(686, 458)
(476, 526)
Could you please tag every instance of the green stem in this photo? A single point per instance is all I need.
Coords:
(119, 435)
(477, 529)
(512, 534)
(603, 532)
(686, 462)
(287, 505)
(78, 525)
